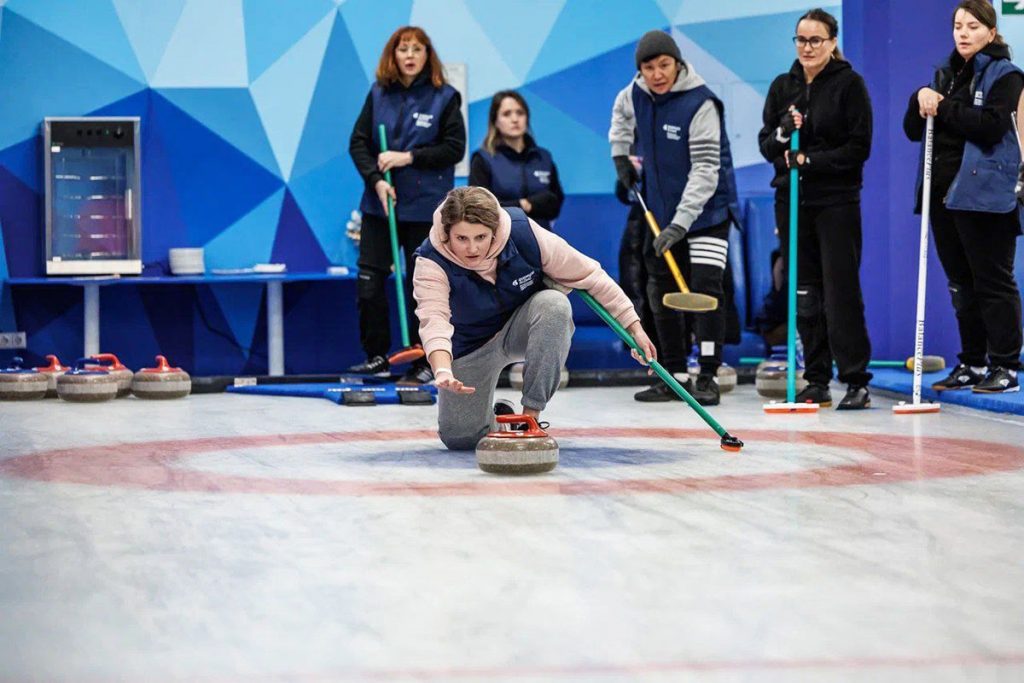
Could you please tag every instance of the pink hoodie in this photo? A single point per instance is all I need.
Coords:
(559, 261)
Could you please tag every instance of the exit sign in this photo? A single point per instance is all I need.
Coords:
(1013, 6)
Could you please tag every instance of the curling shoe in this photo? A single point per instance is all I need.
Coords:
(962, 377)
(999, 380)
(707, 392)
(377, 366)
(857, 398)
(815, 393)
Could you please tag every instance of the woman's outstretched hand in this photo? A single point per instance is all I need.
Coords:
(444, 379)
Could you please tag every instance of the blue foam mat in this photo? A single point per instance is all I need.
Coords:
(902, 381)
(384, 393)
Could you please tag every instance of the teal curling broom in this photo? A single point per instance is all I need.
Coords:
(408, 352)
(729, 442)
(791, 406)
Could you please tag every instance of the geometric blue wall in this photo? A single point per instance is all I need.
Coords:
(247, 106)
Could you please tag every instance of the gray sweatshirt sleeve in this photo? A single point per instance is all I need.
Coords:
(622, 130)
(705, 163)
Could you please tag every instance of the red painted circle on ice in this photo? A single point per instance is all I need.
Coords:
(151, 465)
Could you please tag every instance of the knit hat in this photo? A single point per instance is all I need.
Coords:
(654, 43)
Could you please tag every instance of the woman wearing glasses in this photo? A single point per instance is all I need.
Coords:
(826, 99)
(973, 208)
(426, 137)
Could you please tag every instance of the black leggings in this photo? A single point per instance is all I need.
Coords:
(701, 257)
(977, 250)
(374, 269)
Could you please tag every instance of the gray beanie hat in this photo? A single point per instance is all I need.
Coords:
(654, 43)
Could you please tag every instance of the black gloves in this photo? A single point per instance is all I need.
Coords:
(625, 171)
(668, 237)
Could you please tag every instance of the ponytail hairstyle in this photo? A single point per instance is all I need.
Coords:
(830, 22)
(983, 12)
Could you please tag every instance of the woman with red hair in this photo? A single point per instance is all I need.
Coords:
(426, 137)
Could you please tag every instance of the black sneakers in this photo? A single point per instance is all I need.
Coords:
(706, 392)
(999, 380)
(377, 366)
(857, 398)
(962, 377)
(659, 393)
(815, 393)
(417, 375)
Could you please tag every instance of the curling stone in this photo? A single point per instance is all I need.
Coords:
(515, 377)
(118, 371)
(770, 380)
(163, 381)
(22, 384)
(82, 385)
(726, 376)
(52, 371)
(530, 451)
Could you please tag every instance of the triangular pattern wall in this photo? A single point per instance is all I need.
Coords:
(247, 105)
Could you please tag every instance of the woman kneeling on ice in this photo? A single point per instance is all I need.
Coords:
(483, 304)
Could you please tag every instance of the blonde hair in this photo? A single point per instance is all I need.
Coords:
(472, 205)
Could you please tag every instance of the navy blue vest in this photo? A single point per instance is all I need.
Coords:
(987, 176)
(517, 176)
(480, 309)
(663, 140)
(411, 118)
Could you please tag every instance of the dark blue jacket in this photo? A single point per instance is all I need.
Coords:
(988, 175)
(511, 176)
(663, 126)
(411, 118)
(479, 309)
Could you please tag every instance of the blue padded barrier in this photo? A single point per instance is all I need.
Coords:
(902, 382)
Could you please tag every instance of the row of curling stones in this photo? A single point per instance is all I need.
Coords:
(93, 379)
(517, 451)
(515, 377)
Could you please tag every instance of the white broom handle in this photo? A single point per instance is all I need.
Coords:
(922, 261)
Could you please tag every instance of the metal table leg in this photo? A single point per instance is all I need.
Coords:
(275, 328)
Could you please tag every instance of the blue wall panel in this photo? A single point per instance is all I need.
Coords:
(218, 145)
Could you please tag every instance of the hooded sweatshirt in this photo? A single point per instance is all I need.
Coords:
(704, 142)
(560, 262)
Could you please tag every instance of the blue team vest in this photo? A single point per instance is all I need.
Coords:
(514, 178)
(987, 176)
(663, 140)
(480, 309)
(411, 118)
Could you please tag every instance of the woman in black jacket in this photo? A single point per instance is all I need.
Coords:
(973, 207)
(512, 166)
(827, 100)
(426, 137)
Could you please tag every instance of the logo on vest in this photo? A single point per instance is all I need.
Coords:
(423, 120)
(543, 176)
(672, 132)
(979, 98)
(524, 281)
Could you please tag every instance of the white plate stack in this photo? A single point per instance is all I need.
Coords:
(187, 261)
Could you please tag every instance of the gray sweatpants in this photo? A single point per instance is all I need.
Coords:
(539, 333)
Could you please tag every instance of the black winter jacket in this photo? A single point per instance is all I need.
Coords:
(835, 137)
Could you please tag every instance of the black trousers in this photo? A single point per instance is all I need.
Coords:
(374, 268)
(633, 269)
(830, 307)
(701, 257)
(977, 250)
